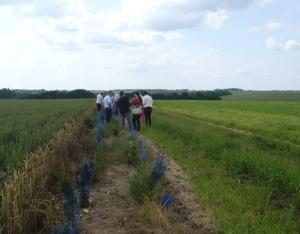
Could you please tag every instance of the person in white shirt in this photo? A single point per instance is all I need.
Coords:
(108, 106)
(116, 99)
(99, 102)
(147, 104)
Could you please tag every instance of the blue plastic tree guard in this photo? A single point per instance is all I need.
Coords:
(132, 134)
(158, 169)
(143, 156)
(141, 142)
(167, 200)
(100, 119)
(86, 177)
(72, 212)
(98, 135)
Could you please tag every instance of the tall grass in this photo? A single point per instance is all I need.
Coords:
(244, 188)
(27, 204)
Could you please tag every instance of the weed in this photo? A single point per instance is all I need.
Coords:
(141, 187)
(133, 157)
(155, 215)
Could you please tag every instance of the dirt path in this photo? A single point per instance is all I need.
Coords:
(111, 208)
(113, 211)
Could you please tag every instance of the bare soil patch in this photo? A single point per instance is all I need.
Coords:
(111, 208)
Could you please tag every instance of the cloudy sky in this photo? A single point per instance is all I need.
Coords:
(195, 44)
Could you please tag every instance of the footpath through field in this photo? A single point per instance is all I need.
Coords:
(113, 210)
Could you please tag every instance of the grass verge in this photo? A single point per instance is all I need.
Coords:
(244, 188)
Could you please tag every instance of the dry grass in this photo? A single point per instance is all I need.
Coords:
(155, 215)
(27, 202)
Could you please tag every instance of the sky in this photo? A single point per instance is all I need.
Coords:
(172, 44)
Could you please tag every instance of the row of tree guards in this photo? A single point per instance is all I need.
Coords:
(159, 167)
(74, 200)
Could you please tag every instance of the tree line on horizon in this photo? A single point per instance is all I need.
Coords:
(43, 94)
(82, 93)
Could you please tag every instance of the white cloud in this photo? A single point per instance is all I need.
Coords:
(287, 45)
(273, 25)
(71, 24)
(180, 14)
(254, 29)
(215, 19)
(263, 2)
(291, 44)
(55, 44)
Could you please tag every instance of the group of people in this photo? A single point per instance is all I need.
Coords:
(132, 110)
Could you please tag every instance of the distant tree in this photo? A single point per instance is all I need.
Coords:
(56, 94)
(234, 89)
(7, 93)
(223, 92)
(184, 95)
(80, 93)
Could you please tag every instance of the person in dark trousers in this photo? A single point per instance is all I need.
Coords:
(147, 104)
(108, 106)
(123, 106)
(136, 111)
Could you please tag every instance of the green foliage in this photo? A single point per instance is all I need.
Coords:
(112, 129)
(64, 182)
(141, 187)
(116, 130)
(133, 157)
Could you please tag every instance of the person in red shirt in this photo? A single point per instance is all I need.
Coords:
(137, 104)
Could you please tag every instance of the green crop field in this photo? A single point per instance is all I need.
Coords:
(27, 124)
(247, 183)
(264, 96)
(242, 157)
(275, 120)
